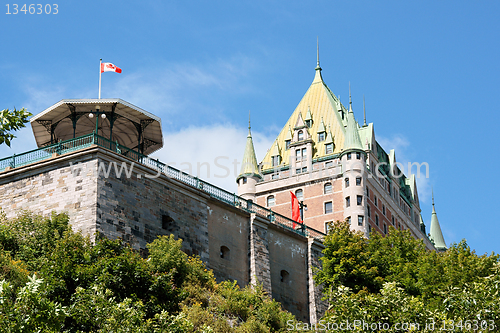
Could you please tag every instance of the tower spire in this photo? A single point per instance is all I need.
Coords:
(436, 235)
(350, 100)
(249, 133)
(364, 111)
(317, 53)
(317, 76)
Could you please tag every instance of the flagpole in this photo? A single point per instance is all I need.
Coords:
(100, 72)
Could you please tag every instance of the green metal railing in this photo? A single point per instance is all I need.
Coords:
(215, 192)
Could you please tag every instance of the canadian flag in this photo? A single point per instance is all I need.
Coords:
(295, 209)
(109, 67)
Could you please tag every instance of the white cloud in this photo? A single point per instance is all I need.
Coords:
(210, 152)
(404, 155)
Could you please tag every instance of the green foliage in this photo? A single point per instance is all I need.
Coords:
(30, 310)
(104, 286)
(393, 279)
(11, 121)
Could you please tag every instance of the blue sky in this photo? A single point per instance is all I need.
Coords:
(429, 71)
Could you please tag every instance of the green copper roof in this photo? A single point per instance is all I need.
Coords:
(249, 166)
(436, 234)
(352, 140)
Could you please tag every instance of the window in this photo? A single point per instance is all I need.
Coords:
(358, 156)
(298, 155)
(275, 161)
(383, 209)
(359, 200)
(369, 228)
(166, 222)
(385, 229)
(347, 182)
(321, 136)
(327, 226)
(304, 169)
(369, 212)
(348, 202)
(358, 181)
(376, 220)
(328, 207)
(367, 192)
(270, 201)
(329, 148)
(304, 154)
(244, 180)
(299, 170)
(360, 220)
(299, 194)
(375, 200)
(300, 136)
(349, 220)
(348, 156)
(275, 176)
(328, 164)
(287, 144)
(328, 188)
(224, 252)
(284, 276)
(309, 123)
(393, 222)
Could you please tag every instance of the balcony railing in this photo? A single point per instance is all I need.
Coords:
(215, 192)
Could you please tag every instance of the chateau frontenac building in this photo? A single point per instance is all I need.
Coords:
(338, 171)
(93, 162)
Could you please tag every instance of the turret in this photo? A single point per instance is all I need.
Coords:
(249, 174)
(353, 159)
(436, 236)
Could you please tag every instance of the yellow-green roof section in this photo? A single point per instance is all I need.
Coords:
(320, 103)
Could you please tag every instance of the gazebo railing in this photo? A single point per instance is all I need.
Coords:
(215, 192)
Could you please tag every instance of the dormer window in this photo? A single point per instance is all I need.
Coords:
(287, 144)
(309, 123)
(329, 148)
(276, 160)
(300, 135)
(321, 136)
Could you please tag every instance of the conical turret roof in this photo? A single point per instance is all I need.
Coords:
(435, 234)
(352, 140)
(249, 166)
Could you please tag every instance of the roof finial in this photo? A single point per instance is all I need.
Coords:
(364, 110)
(317, 52)
(249, 123)
(350, 100)
(433, 196)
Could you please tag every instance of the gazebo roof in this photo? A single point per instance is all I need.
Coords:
(128, 124)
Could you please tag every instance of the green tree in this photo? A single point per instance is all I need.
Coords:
(394, 279)
(10, 121)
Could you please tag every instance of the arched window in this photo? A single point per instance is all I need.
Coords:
(284, 276)
(299, 194)
(300, 135)
(270, 201)
(225, 252)
(328, 188)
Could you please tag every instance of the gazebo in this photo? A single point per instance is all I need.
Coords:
(113, 119)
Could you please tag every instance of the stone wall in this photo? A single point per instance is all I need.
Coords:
(138, 205)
